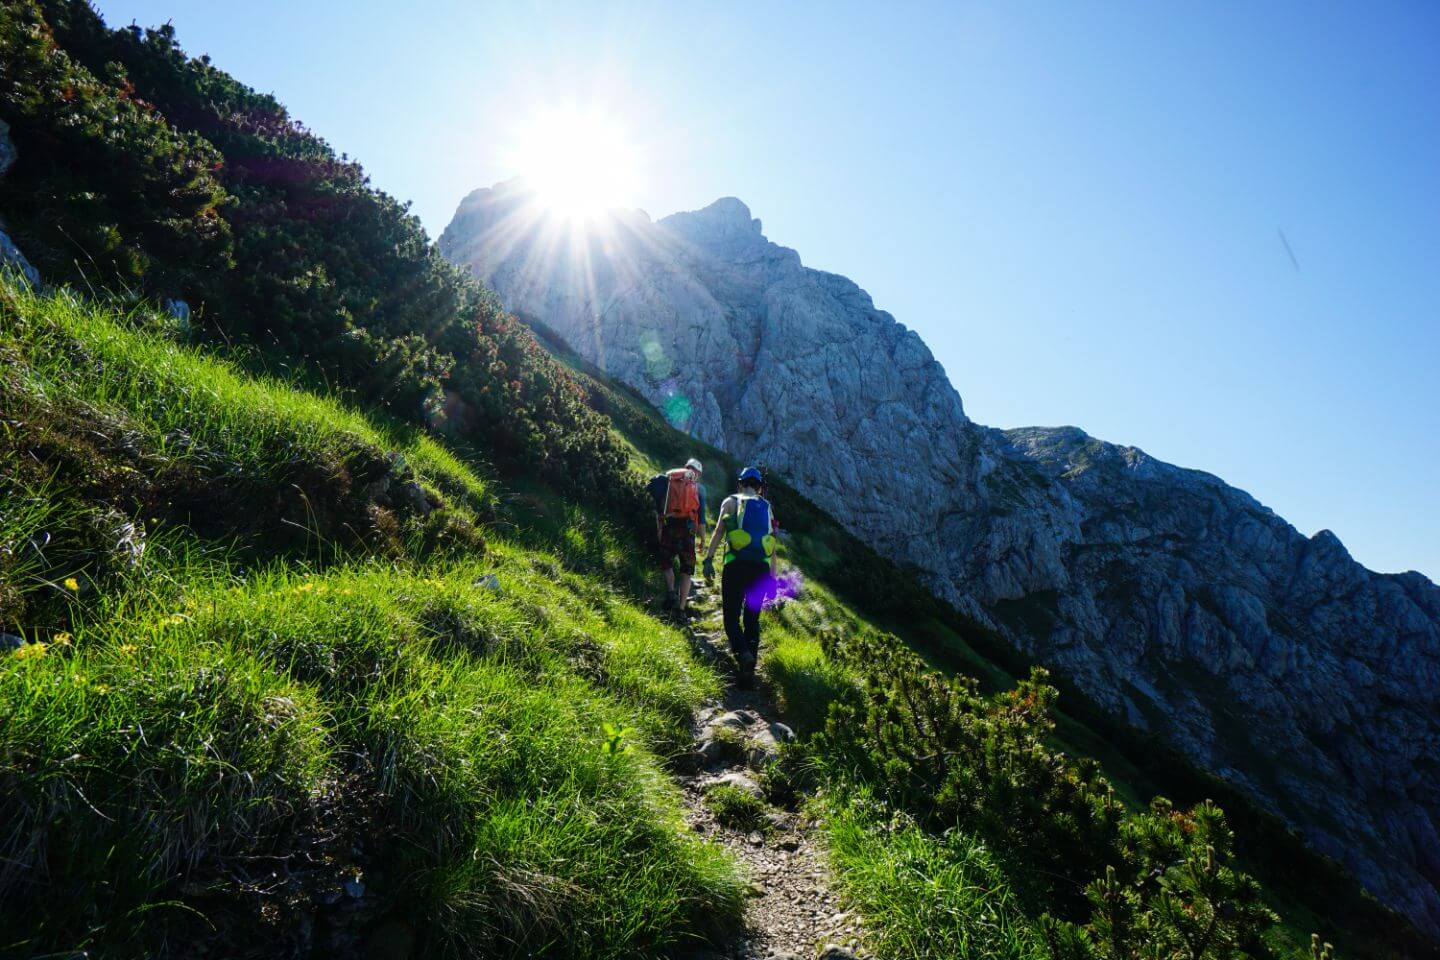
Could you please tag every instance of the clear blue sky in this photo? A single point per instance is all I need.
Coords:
(1078, 206)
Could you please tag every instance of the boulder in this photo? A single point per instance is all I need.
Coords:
(738, 780)
(12, 259)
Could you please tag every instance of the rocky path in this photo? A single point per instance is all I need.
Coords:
(792, 913)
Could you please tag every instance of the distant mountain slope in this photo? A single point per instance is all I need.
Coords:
(1177, 601)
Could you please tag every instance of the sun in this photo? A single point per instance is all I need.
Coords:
(579, 162)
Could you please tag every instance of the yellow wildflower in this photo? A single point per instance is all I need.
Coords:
(72, 584)
(128, 648)
(61, 640)
(173, 620)
(101, 688)
(31, 651)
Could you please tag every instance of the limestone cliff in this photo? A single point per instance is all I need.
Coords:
(1181, 603)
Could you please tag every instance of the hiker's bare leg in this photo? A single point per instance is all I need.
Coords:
(670, 579)
(684, 589)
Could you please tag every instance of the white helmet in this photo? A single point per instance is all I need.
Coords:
(693, 464)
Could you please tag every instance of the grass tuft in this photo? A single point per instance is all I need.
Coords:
(737, 808)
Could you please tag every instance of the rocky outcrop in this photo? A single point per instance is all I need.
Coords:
(1182, 604)
(10, 256)
(12, 259)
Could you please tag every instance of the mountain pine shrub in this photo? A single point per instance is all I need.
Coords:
(1157, 884)
(144, 171)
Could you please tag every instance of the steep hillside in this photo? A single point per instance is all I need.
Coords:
(278, 661)
(847, 587)
(291, 668)
(1179, 603)
(135, 167)
(273, 693)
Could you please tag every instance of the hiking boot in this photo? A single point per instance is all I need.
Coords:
(670, 600)
(745, 678)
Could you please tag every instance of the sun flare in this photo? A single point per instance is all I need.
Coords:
(579, 162)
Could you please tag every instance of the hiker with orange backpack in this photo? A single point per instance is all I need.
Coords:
(679, 519)
(747, 524)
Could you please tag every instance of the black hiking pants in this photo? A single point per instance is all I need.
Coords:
(743, 589)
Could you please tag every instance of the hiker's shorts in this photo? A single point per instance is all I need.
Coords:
(677, 542)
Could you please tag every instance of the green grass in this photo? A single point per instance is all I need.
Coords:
(208, 738)
(923, 896)
(471, 710)
(737, 808)
(192, 407)
(469, 721)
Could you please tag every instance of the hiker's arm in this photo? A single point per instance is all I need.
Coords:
(775, 532)
(725, 508)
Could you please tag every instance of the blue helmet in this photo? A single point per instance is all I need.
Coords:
(750, 473)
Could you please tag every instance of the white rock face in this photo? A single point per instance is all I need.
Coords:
(1178, 602)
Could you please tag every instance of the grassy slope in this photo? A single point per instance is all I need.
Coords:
(850, 589)
(300, 670)
(213, 733)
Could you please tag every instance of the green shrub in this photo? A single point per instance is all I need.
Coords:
(144, 171)
(1176, 894)
(936, 747)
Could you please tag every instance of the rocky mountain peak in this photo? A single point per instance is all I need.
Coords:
(725, 222)
(1170, 598)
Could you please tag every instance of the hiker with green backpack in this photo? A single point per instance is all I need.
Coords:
(747, 524)
(679, 520)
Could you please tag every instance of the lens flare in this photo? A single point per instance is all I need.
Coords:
(579, 161)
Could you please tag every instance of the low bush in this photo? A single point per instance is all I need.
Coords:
(933, 748)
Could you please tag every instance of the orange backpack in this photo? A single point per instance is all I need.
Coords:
(682, 498)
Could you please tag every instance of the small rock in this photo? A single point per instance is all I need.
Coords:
(178, 309)
(782, 733)
(833, 951)
(711, 752)
(355, 888)
(8, 641)
(759, 755)
(11, 257)
(736, 779)
(790, 843)
(755, 889)
(413, 498)
(735, 719)
(489, 582)
(755, 839)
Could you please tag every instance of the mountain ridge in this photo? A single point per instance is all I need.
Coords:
(1177, 601)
